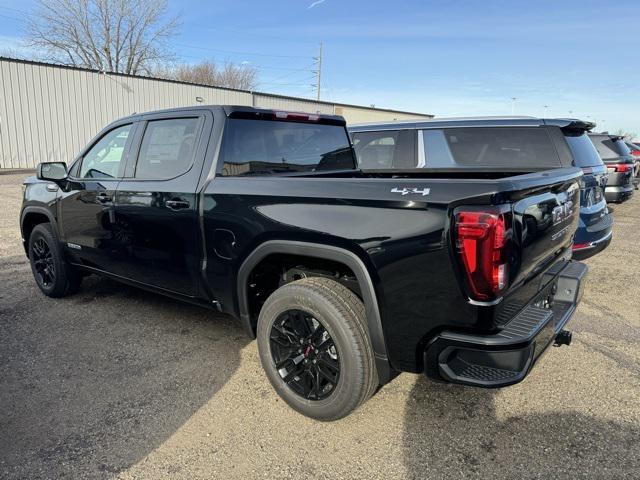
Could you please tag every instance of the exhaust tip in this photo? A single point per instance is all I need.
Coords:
(563, 337)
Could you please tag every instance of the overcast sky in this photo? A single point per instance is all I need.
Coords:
(580, 58)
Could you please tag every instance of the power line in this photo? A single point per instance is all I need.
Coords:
(256, 54)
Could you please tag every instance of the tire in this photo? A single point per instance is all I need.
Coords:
(341, 314)
(53, 275)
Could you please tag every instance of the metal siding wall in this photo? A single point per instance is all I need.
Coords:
(49, 113)
(282, 103)
(360, 115)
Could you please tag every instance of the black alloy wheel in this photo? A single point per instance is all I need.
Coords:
(305, 355)
(54, 276)
(43, 263)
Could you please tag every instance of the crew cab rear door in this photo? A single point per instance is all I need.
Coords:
(156, 202)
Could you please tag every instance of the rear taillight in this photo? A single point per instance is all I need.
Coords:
(635, 153)
(481, 243)
(620, 167)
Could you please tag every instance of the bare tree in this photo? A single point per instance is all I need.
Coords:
(626, 135)
(124, 36)
(208, 73)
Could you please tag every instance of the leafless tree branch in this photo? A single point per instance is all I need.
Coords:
(209, 73)
(123, 36)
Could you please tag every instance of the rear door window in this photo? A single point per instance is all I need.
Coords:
(167, 148)
(499, 147)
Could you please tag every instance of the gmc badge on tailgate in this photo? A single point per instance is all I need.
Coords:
(562, 212)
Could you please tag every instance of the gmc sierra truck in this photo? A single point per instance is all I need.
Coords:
(345, 277)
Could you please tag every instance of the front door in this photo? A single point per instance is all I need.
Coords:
(86, 213)
(156, 204)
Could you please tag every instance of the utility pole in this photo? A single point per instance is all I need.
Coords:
(318, 72)
(513, 105)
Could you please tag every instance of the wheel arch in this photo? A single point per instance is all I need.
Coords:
(325, 252)
(32, 216)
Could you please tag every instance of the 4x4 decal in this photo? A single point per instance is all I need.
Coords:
(407, 191)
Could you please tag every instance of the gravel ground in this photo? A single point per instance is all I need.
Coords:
(115, 382)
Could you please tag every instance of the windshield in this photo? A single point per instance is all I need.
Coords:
(261, 147)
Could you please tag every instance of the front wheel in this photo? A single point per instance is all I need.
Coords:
(314, 348)
(53, 275)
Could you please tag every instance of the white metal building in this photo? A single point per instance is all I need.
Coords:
(49, 112)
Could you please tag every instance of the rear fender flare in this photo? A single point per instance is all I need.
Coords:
(328, 252)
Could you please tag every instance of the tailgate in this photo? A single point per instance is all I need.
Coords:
(529, 226)
(544, 223)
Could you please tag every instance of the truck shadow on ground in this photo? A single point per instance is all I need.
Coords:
(450, 428)
(92, 383)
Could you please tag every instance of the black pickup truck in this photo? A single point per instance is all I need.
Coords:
(345, 277)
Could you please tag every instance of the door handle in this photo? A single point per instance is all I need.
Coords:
(103, 197)
(177, 204)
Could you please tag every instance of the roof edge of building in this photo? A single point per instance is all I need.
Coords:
(180, 82)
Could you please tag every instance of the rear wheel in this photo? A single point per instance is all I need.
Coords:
(53, 275)
(314, 348)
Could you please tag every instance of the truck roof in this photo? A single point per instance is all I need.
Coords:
(253, 112)
(499, 121)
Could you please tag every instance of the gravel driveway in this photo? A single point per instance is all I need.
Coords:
(118, 382)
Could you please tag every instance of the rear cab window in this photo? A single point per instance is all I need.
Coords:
(267, 147)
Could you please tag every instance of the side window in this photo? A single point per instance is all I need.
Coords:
(167, 148)
(436, 150)
(386, 149)
(375, 149)
(501, 147)
(106, 157)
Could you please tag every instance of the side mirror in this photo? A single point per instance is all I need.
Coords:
(52, 171)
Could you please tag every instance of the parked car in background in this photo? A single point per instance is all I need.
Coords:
(513, 144)
(345, 277)
(620, 165)
(596, 223)
(634, 148)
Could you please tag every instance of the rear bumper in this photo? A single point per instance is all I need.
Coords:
(618, 194)
(593, 247)
(506, 357)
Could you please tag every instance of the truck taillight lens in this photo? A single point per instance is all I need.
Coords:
(620, 167)
(481, 244)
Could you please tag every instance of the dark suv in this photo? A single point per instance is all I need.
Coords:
(620, 164)
(595, 228)
(511, 143)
